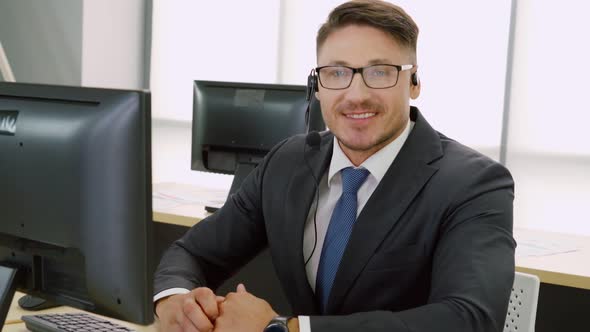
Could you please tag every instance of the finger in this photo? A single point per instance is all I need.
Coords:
(208, 302)
(169, 328)
(167, 325)
(195, 317)
(187, 326)
(219, 299)
(182, 323)
(241, 288)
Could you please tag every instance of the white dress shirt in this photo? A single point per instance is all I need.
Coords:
(330, 189)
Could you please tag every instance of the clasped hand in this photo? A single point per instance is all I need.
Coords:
(202, 311)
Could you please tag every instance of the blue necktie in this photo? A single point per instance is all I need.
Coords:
(341, 223)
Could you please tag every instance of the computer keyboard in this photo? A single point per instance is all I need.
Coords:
(78, 322)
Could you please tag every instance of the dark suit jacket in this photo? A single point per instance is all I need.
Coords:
(432, 250)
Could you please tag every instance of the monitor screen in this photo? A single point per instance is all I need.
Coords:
(75, 197)
(236, 124)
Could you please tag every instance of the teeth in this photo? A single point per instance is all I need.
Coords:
(360, 116)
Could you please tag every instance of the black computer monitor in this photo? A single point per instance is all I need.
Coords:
(75, 198)
(236, 124)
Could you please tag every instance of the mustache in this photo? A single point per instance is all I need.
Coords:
(365, 105)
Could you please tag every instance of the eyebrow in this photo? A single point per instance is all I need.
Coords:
(380, 62)
(371, 62)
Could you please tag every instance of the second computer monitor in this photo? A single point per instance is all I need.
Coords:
(236, 124)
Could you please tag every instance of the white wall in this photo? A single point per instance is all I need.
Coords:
(171, 156)
(209, 40)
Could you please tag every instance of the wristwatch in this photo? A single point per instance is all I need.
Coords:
(278, 324)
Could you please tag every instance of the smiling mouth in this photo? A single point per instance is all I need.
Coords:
(360, 115)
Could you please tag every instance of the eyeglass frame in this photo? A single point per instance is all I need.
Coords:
(360, 70)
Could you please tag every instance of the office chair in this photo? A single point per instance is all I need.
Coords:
(522, 308)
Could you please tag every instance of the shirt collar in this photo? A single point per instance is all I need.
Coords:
(377, 164)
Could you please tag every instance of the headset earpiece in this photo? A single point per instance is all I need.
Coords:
(414, 78)
(312, 84)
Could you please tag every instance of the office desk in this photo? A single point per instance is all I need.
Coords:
(564, 297)
(176, 207)
(570, 269)
(14, 323)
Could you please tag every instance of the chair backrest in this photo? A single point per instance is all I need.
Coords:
(522, 308)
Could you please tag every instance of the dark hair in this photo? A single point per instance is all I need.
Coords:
(375, 13)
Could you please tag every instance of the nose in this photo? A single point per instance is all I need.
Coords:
(358, 90)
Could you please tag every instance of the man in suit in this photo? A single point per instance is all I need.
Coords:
(381, 224)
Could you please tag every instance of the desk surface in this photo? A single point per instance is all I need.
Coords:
(14, 323)
(570, 269)
(566, 269)
(172, 203)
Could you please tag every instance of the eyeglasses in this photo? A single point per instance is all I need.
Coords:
(380, 76)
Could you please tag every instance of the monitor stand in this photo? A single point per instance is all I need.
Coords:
(8, 282)
(242, 171)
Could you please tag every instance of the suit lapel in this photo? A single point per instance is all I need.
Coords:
(300, 195)
(404, 179)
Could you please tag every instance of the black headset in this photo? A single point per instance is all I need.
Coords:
(312, 87)
(313, 141)
(312, 84)
(414, 79)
